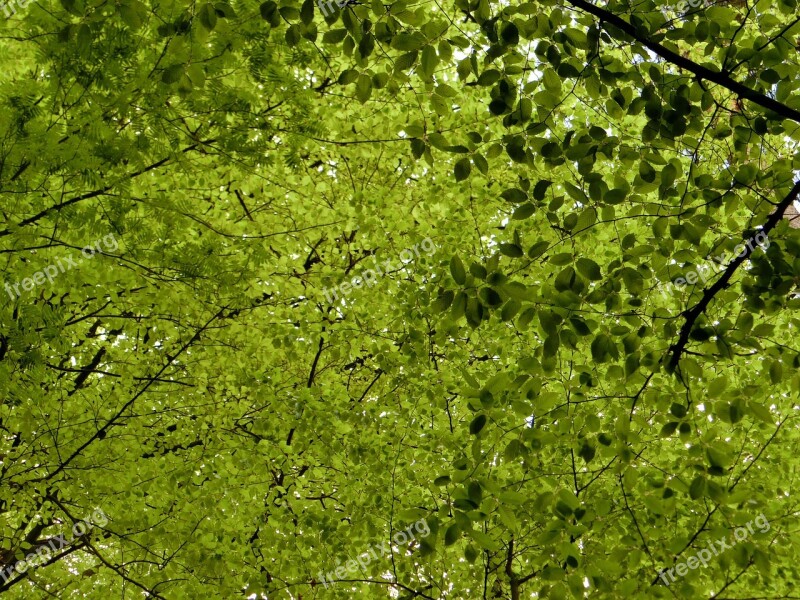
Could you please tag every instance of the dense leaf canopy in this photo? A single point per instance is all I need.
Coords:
(283, 280)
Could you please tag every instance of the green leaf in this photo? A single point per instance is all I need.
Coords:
(589, 269)
(475, 492)
(225, 10)
(307, 12)
(511, 497)
(133, 13)
(615, 196)
(678, 410)
(524, 211)
(776, 372)
(477, 424)
(474, 312)
(668, 429)
(485, 541)
(268, 10)
(471, 553)
(429, 61)
(405, 61)
(587, 452)
(538, 249)
(289, 13)
(208, 16)
(603, 348)
(443, 302)
(489, 77)
(718, 457)
(510, 34)
(293, 35)
(457, 270)
(335, 36)
(452, 534)
(83, 38)
(514, 195)
(761, 412)
(407, 42)
(633, 280)
(363, 87)
(540, 189)
(462, 169)
(697, 487)
(510, 309)
(481, 163)
(459, 307)
(197, 75)
(173, 73)
(74, 7)
(511, 250)
(647, 172)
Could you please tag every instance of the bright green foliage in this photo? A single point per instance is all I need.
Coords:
(566, 422)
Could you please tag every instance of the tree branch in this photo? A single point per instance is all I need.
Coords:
(718, 77)
(691, 315)
(99, 192)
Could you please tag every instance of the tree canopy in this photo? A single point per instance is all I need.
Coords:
(284, 280)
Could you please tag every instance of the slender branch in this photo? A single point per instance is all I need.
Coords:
(316, 361)
(101, 433)
(99, 192)
(692, 314)
(378, 374)
(720, 78)
(244, 206)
